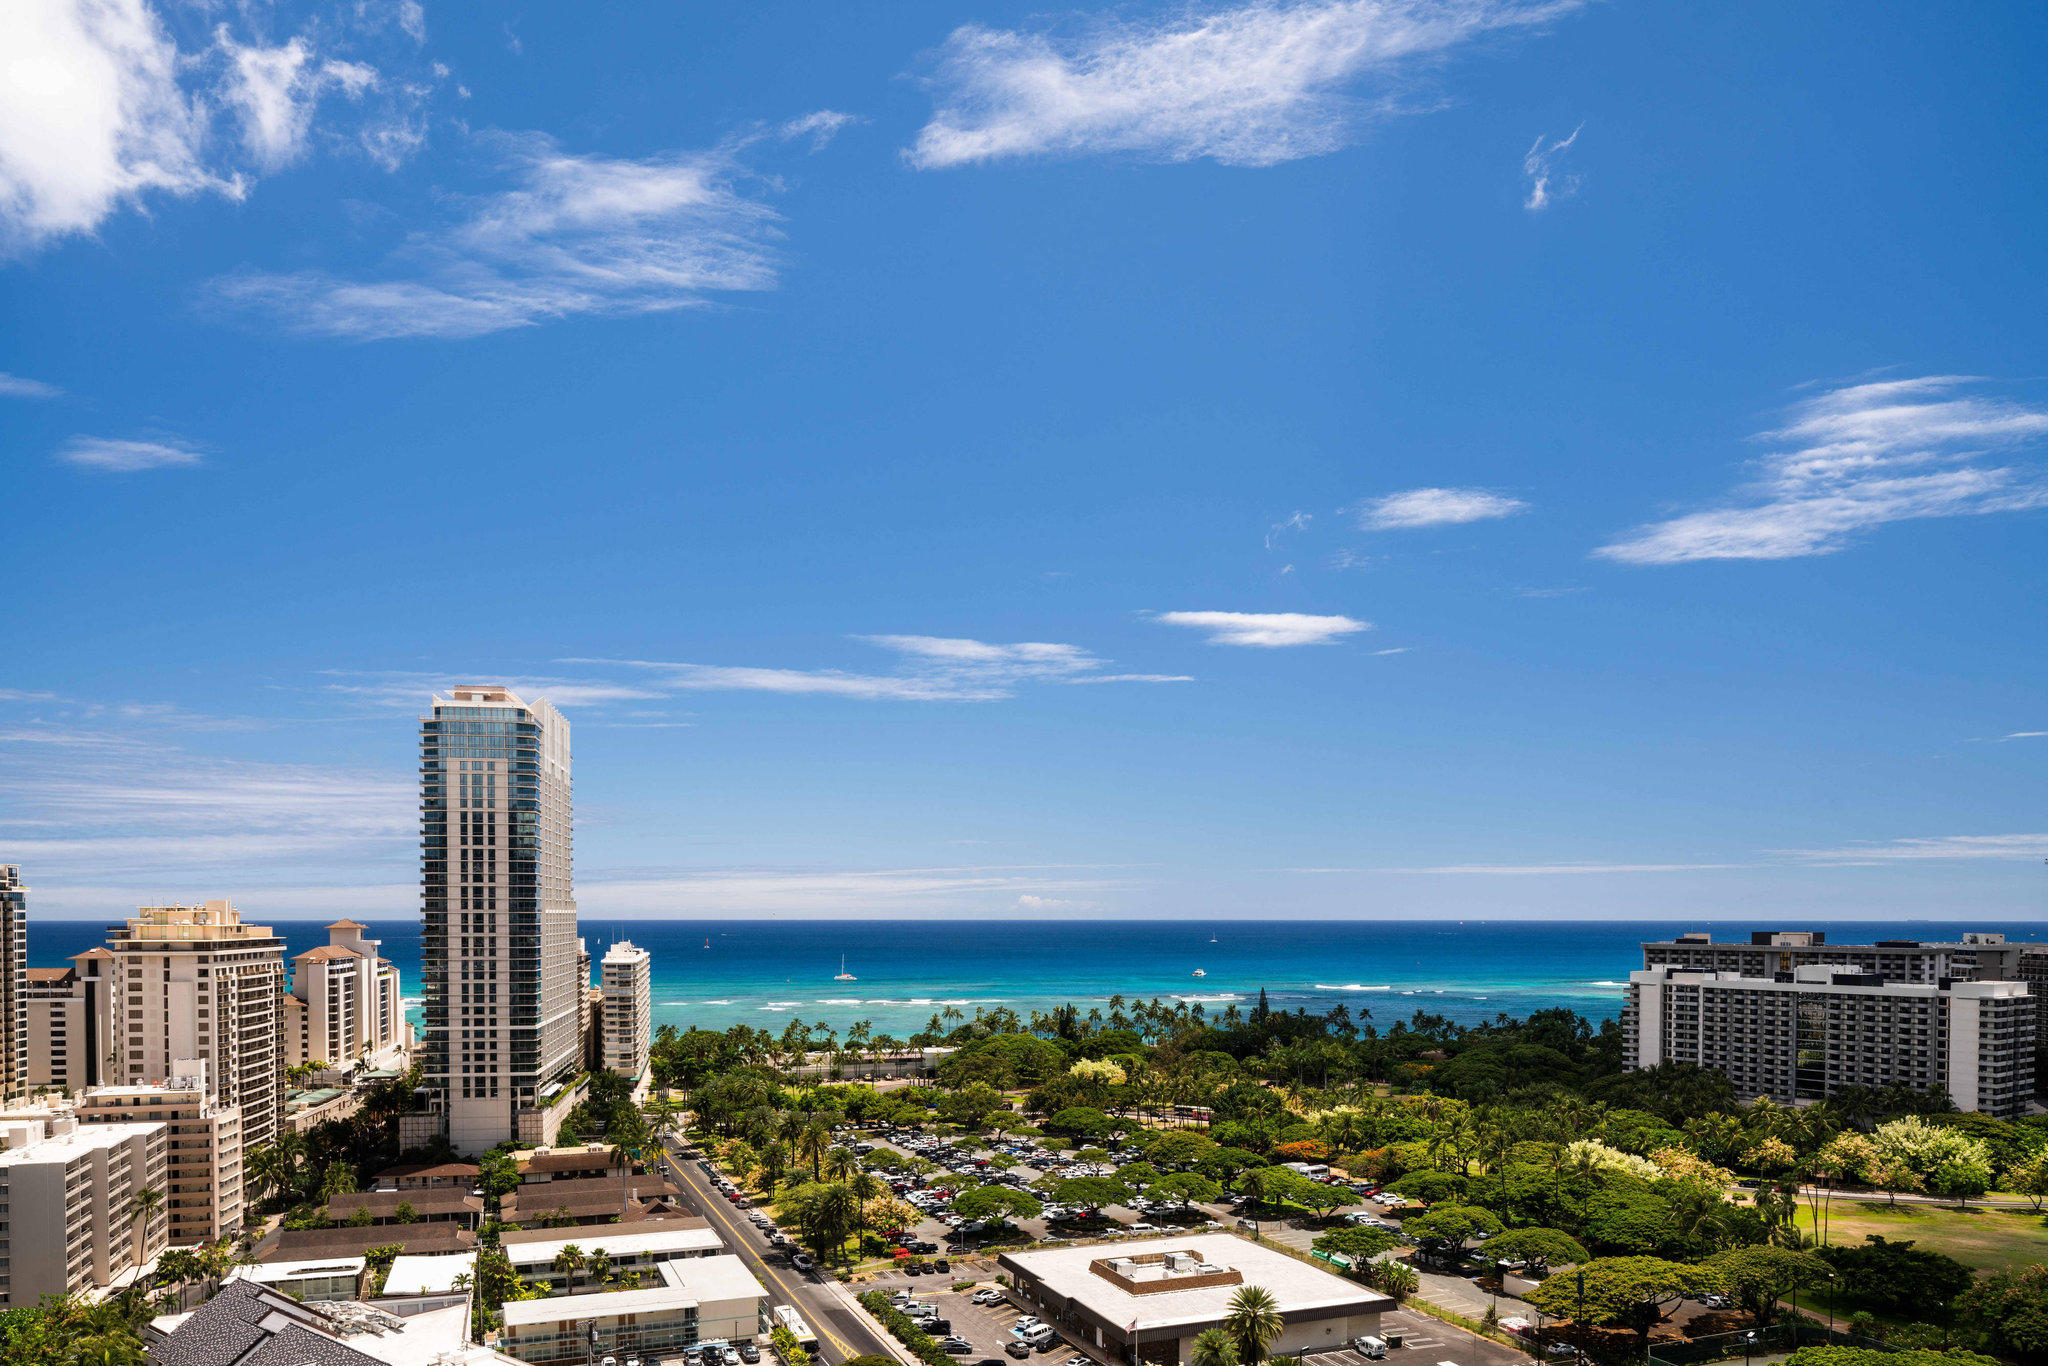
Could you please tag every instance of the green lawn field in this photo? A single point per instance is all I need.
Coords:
(1988, 1239)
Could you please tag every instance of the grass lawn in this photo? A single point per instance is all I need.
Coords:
(1988, 1239)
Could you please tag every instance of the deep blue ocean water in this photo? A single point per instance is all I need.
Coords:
(764, 973)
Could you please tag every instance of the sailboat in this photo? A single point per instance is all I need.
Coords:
(707, 941)
(844, 975)
(1212, 939)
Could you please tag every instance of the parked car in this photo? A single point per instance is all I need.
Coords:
(988, 1295)
(1372, 1349)
(942, 1267)
(956, 1347)
(1019, 1349)
(802, 1261)
(749, 1353)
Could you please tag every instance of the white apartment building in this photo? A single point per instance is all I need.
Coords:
(344, 1004)
(203, 1163)
(13, 983)
(1972, 956)
(1801, 1035)
(68, 1218)
(628, 984)
(71, 1022)
(195, 982)
(498, 919)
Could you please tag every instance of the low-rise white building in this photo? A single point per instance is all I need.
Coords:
(639, 1246)
(320, 1281)
(1159, 1293)
(704, 1299)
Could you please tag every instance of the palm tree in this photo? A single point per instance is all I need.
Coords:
(1213, 1347)
(1253, 1322)
(569, 1261)
(108, 1349)
(600, 1267)
(142, 1207)
(812, 1144)
(840, 1163)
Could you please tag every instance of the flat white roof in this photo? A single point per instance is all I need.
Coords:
(712, 1279)
(618, 1244)
(416, 1274)
(583, 1308)
(1296, 1286)
(86, 1137)
(269, 1273)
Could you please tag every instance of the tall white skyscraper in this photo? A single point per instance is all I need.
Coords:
(498, 918)
(628, 978)
(13, 982)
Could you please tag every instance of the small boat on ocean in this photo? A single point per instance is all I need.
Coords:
(844, 975)
(1200, 973)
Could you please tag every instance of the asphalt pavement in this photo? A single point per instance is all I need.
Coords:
(843, 1331)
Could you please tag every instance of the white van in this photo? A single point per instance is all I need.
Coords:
(1371, 1348)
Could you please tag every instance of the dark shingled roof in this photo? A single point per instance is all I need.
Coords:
(225, 1331)
(303, 1245)
(423, 1169)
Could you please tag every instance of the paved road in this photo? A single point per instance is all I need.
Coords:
(842, 1331)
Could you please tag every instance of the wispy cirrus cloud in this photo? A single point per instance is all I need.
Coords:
(929, 669)
(2030, 848)
(1547, 184)
(20, 386)
(1428, 507)
(1244, 84)
(119, 456)
(1266, 630)
(1858, 457)
(107, 110)
(565, 234)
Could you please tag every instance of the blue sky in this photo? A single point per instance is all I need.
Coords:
(1318, 459)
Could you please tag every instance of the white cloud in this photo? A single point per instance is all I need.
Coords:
(100, 109)
(125, 457)
(1268, 630)
(1245, 84)
(92, 115)
(1435, 507)
(1526, 869)
(2025, 735)
(837, 892)
(1298, 521)
(932, 669)
(820, 127)
(2031, 848)
(1546, 185)
(18, 386)
(571, 234)
(1854, 458)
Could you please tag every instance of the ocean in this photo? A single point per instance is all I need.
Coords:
(717, 973)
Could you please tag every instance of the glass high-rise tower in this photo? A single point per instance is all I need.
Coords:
(498, 919)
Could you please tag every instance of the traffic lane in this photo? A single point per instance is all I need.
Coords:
(841, 1333)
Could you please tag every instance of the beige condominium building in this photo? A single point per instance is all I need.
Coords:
(343, 1006)
(71, 1022)
(13, 983)
(628, 981)
(195, 982)
(498, 946)
(203, 1164)
(72, 1221)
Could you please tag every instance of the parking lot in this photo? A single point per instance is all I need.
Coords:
(986, 1327)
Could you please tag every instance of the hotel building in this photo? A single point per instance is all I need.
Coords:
(628, 982)
(68, 1190)
(344, 1003)
(71, 1022)
(194, 982)
(1972, 957)
(203, 1165)
(1799, 1035)
(498, 919)
(13, 983)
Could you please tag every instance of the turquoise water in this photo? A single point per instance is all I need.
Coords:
(714, 974)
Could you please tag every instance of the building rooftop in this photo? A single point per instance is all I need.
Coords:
(430, 1200)
(305, 1244)
(635, 1240)
(327, 953)
(50, 976)
(64, 1147)
(414, 1275)
(248, 1324)
(454, 1170)
(685, 1284)
(272, 1272)
(1073, 1274)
